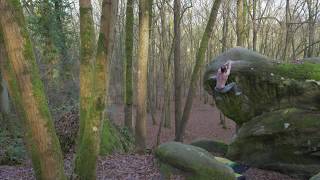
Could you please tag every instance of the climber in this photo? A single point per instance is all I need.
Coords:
(222, 77)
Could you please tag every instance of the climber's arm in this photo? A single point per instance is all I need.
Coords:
(228, 64)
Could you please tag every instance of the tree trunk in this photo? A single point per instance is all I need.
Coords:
(141, 120)
(223, 120)
(151, 68)
(225, 26)
(66, 65)
(101, 74)
(254, 26)
(128, 65)
(26, 89)
(240, 24)
(177, 65)
(311, 26)
(288, 31)
(165, 59)
(199, 63)
(90, 102)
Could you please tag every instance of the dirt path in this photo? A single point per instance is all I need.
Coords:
(203, 123)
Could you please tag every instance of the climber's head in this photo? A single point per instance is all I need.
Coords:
(223, 69)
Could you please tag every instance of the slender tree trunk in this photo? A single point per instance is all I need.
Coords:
(151, 68)
(102, 73)
(311, 26)
(225, 26)
(21, 72)
(90, 104)
(240, 24)
(293, 56)
(288, 31)
(128, 65)
(177, 65)
(264, 41)
(165, 60)
(141, 120)
(254, 26)
(247, 39)
(49, 48)
(199, 63)
(66, 65)
(167, 97)
(223, 120)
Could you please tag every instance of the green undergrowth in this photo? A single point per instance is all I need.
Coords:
(12, 147)
(115, 139)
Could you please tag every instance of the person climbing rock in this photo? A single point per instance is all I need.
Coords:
(222, 78)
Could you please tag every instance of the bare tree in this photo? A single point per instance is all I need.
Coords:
(177, 64)
(240, 24)
(128, 65)
(141, 120)
(199, 63)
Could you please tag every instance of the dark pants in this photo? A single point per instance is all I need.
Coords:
(229, 87)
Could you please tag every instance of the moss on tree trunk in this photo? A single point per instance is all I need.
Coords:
(89, 130)
(128, 64)
(26, 89)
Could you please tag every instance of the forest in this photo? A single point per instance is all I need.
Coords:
(160, 89)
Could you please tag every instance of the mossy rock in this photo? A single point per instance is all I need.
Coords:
(211, 146)
(266, 85)
(315, 177)
(286, 140)
(315, 60)
(194, 160)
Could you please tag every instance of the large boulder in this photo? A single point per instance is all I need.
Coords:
(266, 85)
(215, 147)
(286, 140)
(315, 60)
(197, 161)
(315, 177)
(278, 112)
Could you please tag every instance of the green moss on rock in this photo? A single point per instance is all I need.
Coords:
(315, 177)
(211, 145)
(278, 111)
(304, 71)
(266, 85)
(197, 161)
(282, 140)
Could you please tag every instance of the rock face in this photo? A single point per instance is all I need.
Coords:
(287, 140)
(211, 146)
(266, 85)
(278, 111)
(315, 177)
(200, 163)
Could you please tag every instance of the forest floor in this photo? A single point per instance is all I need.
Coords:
(203, 123)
